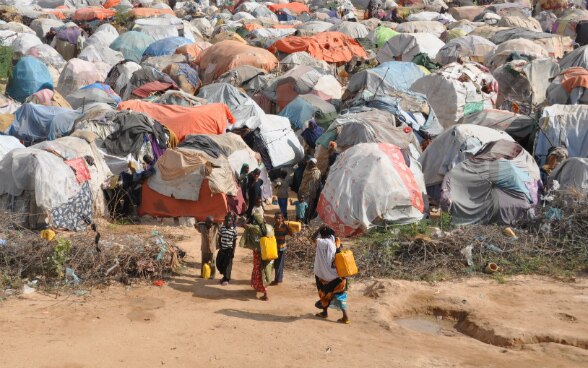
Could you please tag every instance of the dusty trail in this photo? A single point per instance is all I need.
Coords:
(192, 322)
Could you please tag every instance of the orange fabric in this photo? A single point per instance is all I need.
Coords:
(193, 50)
(57, 13)
(206, 119)
(92, 13)
(226, 55)
(111, 4)
(150, 12)
(574, 77)
(251, 26)
(283, 26)
(294, 7)
(208, 204)
(332, 47)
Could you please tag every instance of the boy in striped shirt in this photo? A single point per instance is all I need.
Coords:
(227, 242)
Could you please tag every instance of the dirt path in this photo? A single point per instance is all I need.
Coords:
(192, 322)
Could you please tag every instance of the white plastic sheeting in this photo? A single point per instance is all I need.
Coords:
(406, 46)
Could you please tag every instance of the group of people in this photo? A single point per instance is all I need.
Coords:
(332, 289)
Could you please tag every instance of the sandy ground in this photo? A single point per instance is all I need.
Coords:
(191, 322)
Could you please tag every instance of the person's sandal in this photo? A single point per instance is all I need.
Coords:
(322, 315)
(344, 321)
(264, 298)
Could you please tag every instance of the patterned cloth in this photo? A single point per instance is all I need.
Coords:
(76, 214)
(327, 291)
(256, 274)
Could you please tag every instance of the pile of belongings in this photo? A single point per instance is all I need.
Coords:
(162, 108)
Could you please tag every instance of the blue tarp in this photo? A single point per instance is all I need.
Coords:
(132, 44)
(106, 88)
(28, 76)
(166, 46)
(298, 111)
(399, 74)
(36, 123)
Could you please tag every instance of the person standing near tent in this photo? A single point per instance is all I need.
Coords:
(311, 184)
(208, 232)
(243, 180)
(332, 289)
(261, 269)
(227, 242)
(311, 134)
(282, 192)
(254, 192)
(281, 230)
(299, 173)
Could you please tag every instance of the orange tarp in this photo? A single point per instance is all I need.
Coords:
(208, 204)
(574, 77)
(150, 12)
(193, 50)
(92, 13)
(56, 12)
(182, 121)
(251, 26)
(332, 47)
(111, 3)
(226, 55)
(294, 7)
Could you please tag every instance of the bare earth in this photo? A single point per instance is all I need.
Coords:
(190, 322)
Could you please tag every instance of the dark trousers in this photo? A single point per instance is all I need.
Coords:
(279, 265)
(209, 258)
(224, 262)
(283, 203)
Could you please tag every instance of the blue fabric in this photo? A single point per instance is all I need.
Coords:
(132, 44)
(512, 177)
(298, 111)
(29, 75)
(312, 133)
(300, 209)
(339, 301)
(106, 88)
(283, 203)
(398, 74)
(35, 123)
(166, 46)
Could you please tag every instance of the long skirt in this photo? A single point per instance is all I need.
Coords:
(260, 273)
(332, 293)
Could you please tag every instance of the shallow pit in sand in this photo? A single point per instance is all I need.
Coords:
(428, 324)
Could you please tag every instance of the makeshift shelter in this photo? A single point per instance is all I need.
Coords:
(182, 121)
(569, 87)
(143, 82)
(36, 123)
(47, 55)
(132, 45)
(29, 75)
(352, 201)
(576, 58)
(352, 29)
(79, 73)
(332, 47)
(390, 75)
(93, 94)
(422, 26)
(93, 13)
(453, 146)
(297, 59)
(166, 46)
(295, 7)
(48, 97)
(7, 144)
(474, 48)
(120, 75)
(381, 35)
(498, 184)
(306, 107)
(457, 90)
(520, 127)
(406, 46)
(572, 174)
(556, 45)
(562, 126)
(226, 55)
(104, 35)
(518, 48)
(523, 84)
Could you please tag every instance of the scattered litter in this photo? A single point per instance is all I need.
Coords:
(158, 282)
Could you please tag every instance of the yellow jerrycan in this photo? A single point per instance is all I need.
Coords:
(205, 271)
(345, 263)
(294, 226)
(269, 248)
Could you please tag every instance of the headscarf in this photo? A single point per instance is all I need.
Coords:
(243, 167)
(258, 220)
(312, 133)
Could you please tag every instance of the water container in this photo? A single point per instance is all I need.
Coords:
(269, 248)
(345, 263)
(295, 226)
(205, 271)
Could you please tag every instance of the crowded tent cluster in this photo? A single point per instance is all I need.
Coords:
(357, 113)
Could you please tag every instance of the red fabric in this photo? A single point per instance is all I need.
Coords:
(397, 159)
(256, 274)
(207, 119)
(78, 165)
(148, 89)
(574, 77)
(92, 13)
(332, 47)
(208, 204)
(294, 7)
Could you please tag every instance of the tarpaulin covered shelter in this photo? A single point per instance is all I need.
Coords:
(352, 201)
(576, 58)
(569, 87)
(93, 13)
(306, 107)
(29, 75)
(295, 7)
(563, 126)
(381, 35)
(166, 46)
(406, 46)
(498, 184)
(132, 44)
(513, 49)
(390, 75)
(332, 47)
(80, 73)
(457, 90)
(7, 144)
(452, 147)
(475, 48)
(182, 121)
(226, 55)
(36, 123)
